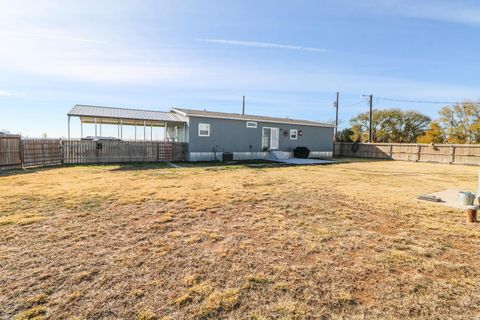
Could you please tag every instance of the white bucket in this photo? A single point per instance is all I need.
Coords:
(466, 198)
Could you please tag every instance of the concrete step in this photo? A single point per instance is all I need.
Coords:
(277, 155)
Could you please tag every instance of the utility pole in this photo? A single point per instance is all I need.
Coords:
(243, 106)
(370, 119)
(370, 102)
(336, 117)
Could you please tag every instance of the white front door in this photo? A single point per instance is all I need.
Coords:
(274, 138)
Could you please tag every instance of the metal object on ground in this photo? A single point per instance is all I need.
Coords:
(472, 214)
(466, 198)
(429, 198)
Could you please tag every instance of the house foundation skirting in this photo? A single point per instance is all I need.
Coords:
(320, 154)
(217, 156)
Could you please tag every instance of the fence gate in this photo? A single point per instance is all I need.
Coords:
(10, 151)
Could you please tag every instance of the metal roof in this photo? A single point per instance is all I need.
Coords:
(124, 113)
(237, 116)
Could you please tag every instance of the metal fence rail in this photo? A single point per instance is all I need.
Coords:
(16, 153)
(468, 154)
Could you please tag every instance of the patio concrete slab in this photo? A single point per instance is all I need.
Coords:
(450, 198)
(299, 161)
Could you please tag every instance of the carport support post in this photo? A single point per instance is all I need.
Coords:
(135, 131)
(95, 127)
(151, 131)
(68, 127)
(81, 128)
(165, 133)
(121, 129)
(144, 131)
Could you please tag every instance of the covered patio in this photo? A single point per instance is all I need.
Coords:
(143, 122)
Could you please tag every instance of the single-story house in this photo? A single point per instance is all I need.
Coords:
(209, 134)
(252, 137)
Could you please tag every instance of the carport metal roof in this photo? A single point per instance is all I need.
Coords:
(111, 115)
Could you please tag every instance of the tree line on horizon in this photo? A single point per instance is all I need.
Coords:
(457, 124)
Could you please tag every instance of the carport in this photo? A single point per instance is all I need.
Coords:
(174, 125)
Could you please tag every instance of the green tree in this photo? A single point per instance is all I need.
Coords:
(391, 125)
(434, 134)
(345, 135)
(461, 122)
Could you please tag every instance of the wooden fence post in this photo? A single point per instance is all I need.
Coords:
(43, 153)
(390, 151)
(21, 152)
(62, 156)
(452, 154)
(418, 153)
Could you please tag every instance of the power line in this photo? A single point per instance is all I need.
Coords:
(424, 101)
(354, 104)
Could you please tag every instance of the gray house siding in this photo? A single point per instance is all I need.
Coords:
(228, 135)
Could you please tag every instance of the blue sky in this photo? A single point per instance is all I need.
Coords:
(288, 57)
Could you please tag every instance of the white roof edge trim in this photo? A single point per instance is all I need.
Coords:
(269, 121)
(178, 111)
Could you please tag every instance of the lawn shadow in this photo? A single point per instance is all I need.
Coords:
(134, 166)
(14, 172)
(218, 164)
(348, 159)
(142, 166)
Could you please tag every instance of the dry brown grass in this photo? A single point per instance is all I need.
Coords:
(333, 242)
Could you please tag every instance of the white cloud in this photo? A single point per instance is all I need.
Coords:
(45, 47)
(5, 93)
(269, 45)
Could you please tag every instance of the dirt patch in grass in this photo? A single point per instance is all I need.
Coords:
(341, 241)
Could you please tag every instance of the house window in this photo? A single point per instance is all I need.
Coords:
(293, 134)
(251, 124)
(204, 130)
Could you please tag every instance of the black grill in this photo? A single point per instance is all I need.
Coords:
(301, 152)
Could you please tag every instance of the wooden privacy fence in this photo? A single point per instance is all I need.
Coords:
(41, 152)
(16, 153)
(468, 154)
(81, 151)
(10, 151)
